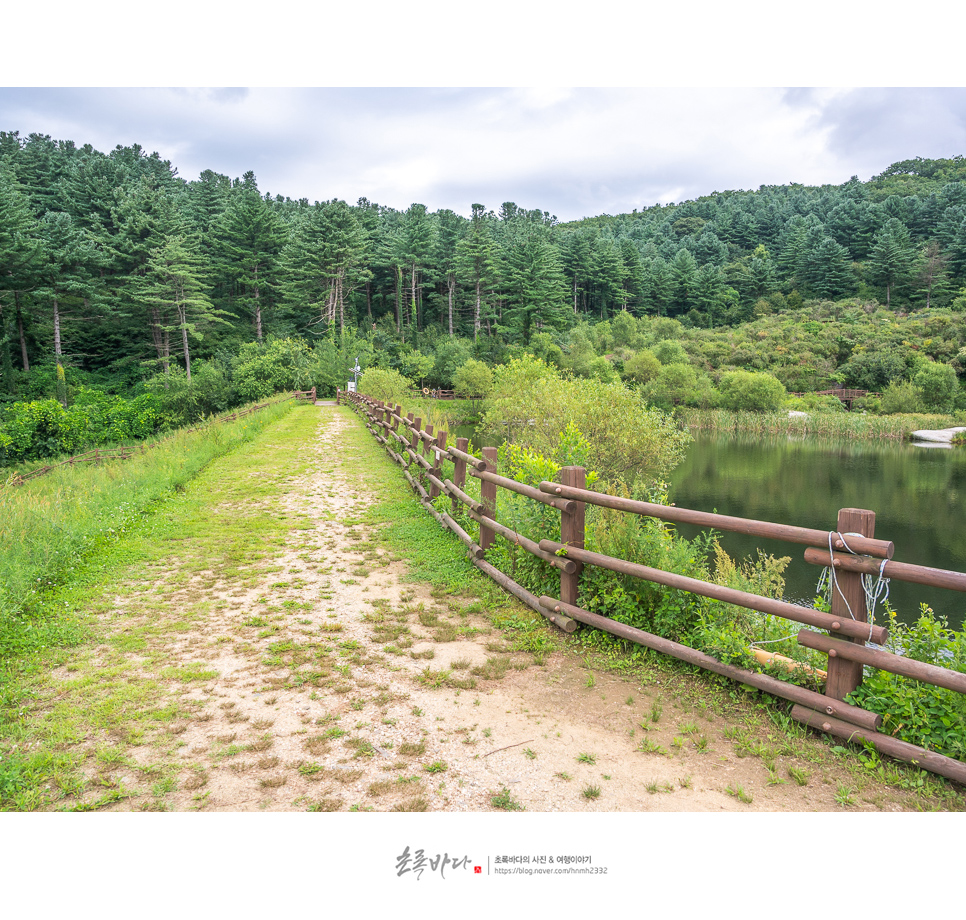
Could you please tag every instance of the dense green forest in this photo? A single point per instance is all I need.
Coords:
(119, 278)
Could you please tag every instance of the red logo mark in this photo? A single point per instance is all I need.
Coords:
(478, 870)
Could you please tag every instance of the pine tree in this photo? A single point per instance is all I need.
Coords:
(576, 255)
(173, 289)
(71, 260)
(684, 277)
(417, 243)
(932, 275)
(532, 280)
(892, 260)
(608, 269)
(248, 238)
(451, 228)
(324, 260)
(475, 261)
(21, 262)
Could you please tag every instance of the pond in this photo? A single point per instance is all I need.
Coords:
(918, 495)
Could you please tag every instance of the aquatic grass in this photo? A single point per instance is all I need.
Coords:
(852, 425)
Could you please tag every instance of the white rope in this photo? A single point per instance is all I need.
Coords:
(835, 581)
(874, 591)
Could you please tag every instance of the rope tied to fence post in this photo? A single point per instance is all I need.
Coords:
(873, 590)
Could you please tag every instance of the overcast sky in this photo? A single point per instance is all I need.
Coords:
(573, 152)
(605, 148)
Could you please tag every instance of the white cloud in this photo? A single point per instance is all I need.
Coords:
(573, 152)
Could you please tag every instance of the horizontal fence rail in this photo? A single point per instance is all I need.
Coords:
(851, 550)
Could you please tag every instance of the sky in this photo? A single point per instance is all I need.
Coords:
(574, 152)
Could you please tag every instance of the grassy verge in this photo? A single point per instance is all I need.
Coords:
(52, 526)
(122, 525)
(815, 424)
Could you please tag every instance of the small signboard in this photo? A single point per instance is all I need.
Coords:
(351, 386)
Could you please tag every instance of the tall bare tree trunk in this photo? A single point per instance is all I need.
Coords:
(23, 339)
(183, 321)
(412, 307)
(451, 284)
(397, 283)
(162, 343)
(476, 311)
(57, 350)
(258, 308)
(58, 354)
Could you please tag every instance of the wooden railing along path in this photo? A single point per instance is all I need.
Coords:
(851, 550)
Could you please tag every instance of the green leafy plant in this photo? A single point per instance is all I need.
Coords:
(505, 801)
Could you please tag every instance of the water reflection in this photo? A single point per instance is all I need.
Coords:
(917, 495)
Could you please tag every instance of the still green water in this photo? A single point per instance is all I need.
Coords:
(917, 493)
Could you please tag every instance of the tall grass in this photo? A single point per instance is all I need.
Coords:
(51, 525)
(444, 413)
(815, 424)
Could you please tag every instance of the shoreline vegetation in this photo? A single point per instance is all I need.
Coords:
(818, 424)
(462, 413)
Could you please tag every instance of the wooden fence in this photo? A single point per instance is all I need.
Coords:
(850, 551)
(101, 454)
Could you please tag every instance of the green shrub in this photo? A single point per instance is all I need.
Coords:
(922, 714)
(473, 379)
(642, 367)
(531, 404)
(812, 402)
(754, 392)
(450, 355)
(873, 370)
(900, 396)
(938, 386)
(386, 384)
(182, 403)
(44, 428)
(654, 608)
(674, 385)
(535, 519)
(670, 351)
(262, 369)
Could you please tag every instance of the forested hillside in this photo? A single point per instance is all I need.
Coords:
(115, 273)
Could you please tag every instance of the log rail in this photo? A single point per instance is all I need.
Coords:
(851, 550)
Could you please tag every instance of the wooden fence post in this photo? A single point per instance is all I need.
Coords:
(488, 497)
(848, 602)
(414, 438)
(572, 532)
(438, 462)
(459, 470)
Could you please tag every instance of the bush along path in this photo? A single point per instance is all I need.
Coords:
(293, 633)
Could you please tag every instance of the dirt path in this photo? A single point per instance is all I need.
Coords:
(316, 678)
